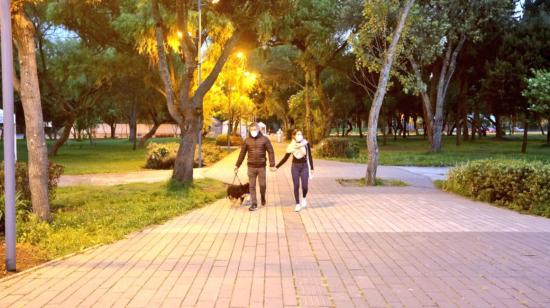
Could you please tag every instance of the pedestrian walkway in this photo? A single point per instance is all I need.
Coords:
(352, 247)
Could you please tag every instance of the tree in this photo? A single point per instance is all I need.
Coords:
(229, 97)
(524, 48)
(320, 31)
(373, 28)
(281, 78)
(29, 90)
(176, 53)
(538, 94)
(78, 78)
(436, 39)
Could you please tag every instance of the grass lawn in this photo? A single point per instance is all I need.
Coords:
(413, 151)
(105, 156)
(88, 216)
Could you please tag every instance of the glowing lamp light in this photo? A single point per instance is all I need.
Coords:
(240, 55)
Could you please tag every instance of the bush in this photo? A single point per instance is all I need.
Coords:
(163, 155)
(337, 147)
(519, 185)
(22, 180)
(23, 204)
(221, 140)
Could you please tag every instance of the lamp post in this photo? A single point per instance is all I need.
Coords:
(9, 132)
(199, 66)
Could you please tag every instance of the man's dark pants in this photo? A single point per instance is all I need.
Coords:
(260, 174)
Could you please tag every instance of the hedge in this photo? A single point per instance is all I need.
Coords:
(221, 140)
(519, 185)
(163, 155)
(337, 147)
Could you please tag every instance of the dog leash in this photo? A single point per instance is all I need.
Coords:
(236, 177)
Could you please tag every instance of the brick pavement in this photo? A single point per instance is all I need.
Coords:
(364, 247)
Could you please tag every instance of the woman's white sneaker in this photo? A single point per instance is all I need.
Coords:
(304, 203)
(298, 207)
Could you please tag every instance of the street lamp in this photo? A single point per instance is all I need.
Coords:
(9, 130)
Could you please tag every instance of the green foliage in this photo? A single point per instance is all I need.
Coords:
(88, 216)
(337, 147)
(163, 155)
(519, 185)
(221, 140)
(22, 208)
(22, 180)
(538, 92)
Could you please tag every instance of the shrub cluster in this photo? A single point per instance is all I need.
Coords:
(163, 155)
(337, 147)
(221, 140)
(519, 185)
(23, 190)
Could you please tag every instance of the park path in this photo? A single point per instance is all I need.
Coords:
(353, 247)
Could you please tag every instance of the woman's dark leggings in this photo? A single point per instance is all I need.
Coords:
(300, 171)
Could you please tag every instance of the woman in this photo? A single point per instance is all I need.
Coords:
(302, 166)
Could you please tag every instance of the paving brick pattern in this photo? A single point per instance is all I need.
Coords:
(352, 247)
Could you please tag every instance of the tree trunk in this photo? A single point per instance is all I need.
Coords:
(38, 164)
(476, 124)
(360, 126)
(307, 102)
(372, 144)
(498, 126)
(447, 71)
(539, 123)
(548, 133)
(350, 128)
(132, 121)
(325, 104)
(185, 158)
(384, 135)
(90, 135)
(64, 137)
(113, 130)
(149, 134)
(426, 103)
(525, 131)
(405, 128)
(458, 132)
(466, 132)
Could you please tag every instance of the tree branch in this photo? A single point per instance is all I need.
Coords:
(163, 64)
(226, 52)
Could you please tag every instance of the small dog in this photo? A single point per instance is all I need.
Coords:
(235, 192)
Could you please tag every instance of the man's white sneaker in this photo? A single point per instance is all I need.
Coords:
(304, 203)
(298, 207)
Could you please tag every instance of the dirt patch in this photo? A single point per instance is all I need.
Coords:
(27, 257)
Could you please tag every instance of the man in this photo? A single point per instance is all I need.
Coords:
(256, 145)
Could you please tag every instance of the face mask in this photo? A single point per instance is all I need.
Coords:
(254, 134)
(299, 138)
